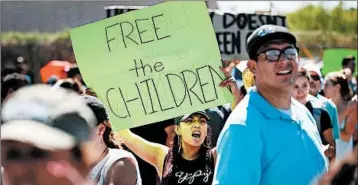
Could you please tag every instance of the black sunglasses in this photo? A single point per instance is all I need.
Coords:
(315, 78)
(14, 154)
(274, 55)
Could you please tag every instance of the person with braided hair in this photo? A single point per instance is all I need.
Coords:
(190, 161)
(113, 165)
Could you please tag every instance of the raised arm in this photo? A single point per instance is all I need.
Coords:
(152, 153)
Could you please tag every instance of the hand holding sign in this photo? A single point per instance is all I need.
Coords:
(230, 82)
(152, 64)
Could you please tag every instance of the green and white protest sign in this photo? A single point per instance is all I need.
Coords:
(152, 64)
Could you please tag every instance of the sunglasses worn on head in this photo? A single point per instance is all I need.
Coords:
(14, 154)
(274, 55)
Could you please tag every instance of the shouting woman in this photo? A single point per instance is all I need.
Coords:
(190, 161)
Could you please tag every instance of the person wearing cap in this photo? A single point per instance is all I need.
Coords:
(44, 132)
(114, 165)
(327, 104)
(189, 161)
(11, 83)
(270, 138)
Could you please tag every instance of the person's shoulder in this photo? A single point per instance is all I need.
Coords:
(116, 155)
(121, 153)
(238, 115)
(124, 160)
(299, 108)
(315, 102)
(326, 102)
(123, 171)
(127, 160)
(245, 113)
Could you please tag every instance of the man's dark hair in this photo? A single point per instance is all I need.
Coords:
(347, 59)
(73, 71)
(70, 84)
(7, 71)
(243, 90)
(12, 82)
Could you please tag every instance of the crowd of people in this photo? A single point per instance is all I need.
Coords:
(288, 124)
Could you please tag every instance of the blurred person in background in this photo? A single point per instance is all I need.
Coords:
(355, 135)
(74, 73)
(114, 166)
(327, 104)
(350, 63)
(23, 68)
(52, 80)
(351, 79)
(300, 92)
(6, 71)
(345, 172)
(336, 88)
(244, 78)
(11, 83)
(70, 84)
(44, 137)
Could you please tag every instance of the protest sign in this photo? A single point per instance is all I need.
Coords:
(232, 31)
(332, 59)
(152, 64)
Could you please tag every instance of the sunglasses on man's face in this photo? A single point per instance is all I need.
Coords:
(315, 78)
(274, 55)
(15, 154)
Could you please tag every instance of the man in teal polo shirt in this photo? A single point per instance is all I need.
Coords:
(270, 138)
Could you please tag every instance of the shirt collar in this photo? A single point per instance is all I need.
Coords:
(268, 110)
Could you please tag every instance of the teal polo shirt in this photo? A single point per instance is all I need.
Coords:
(261, 145)
(333, 114)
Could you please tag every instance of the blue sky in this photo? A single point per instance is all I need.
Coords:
(278, 6)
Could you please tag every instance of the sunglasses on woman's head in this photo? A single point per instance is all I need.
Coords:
(274, 55)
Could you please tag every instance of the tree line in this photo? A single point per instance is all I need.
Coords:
(317, 18)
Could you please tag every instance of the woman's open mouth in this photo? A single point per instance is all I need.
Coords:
(196, 134)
